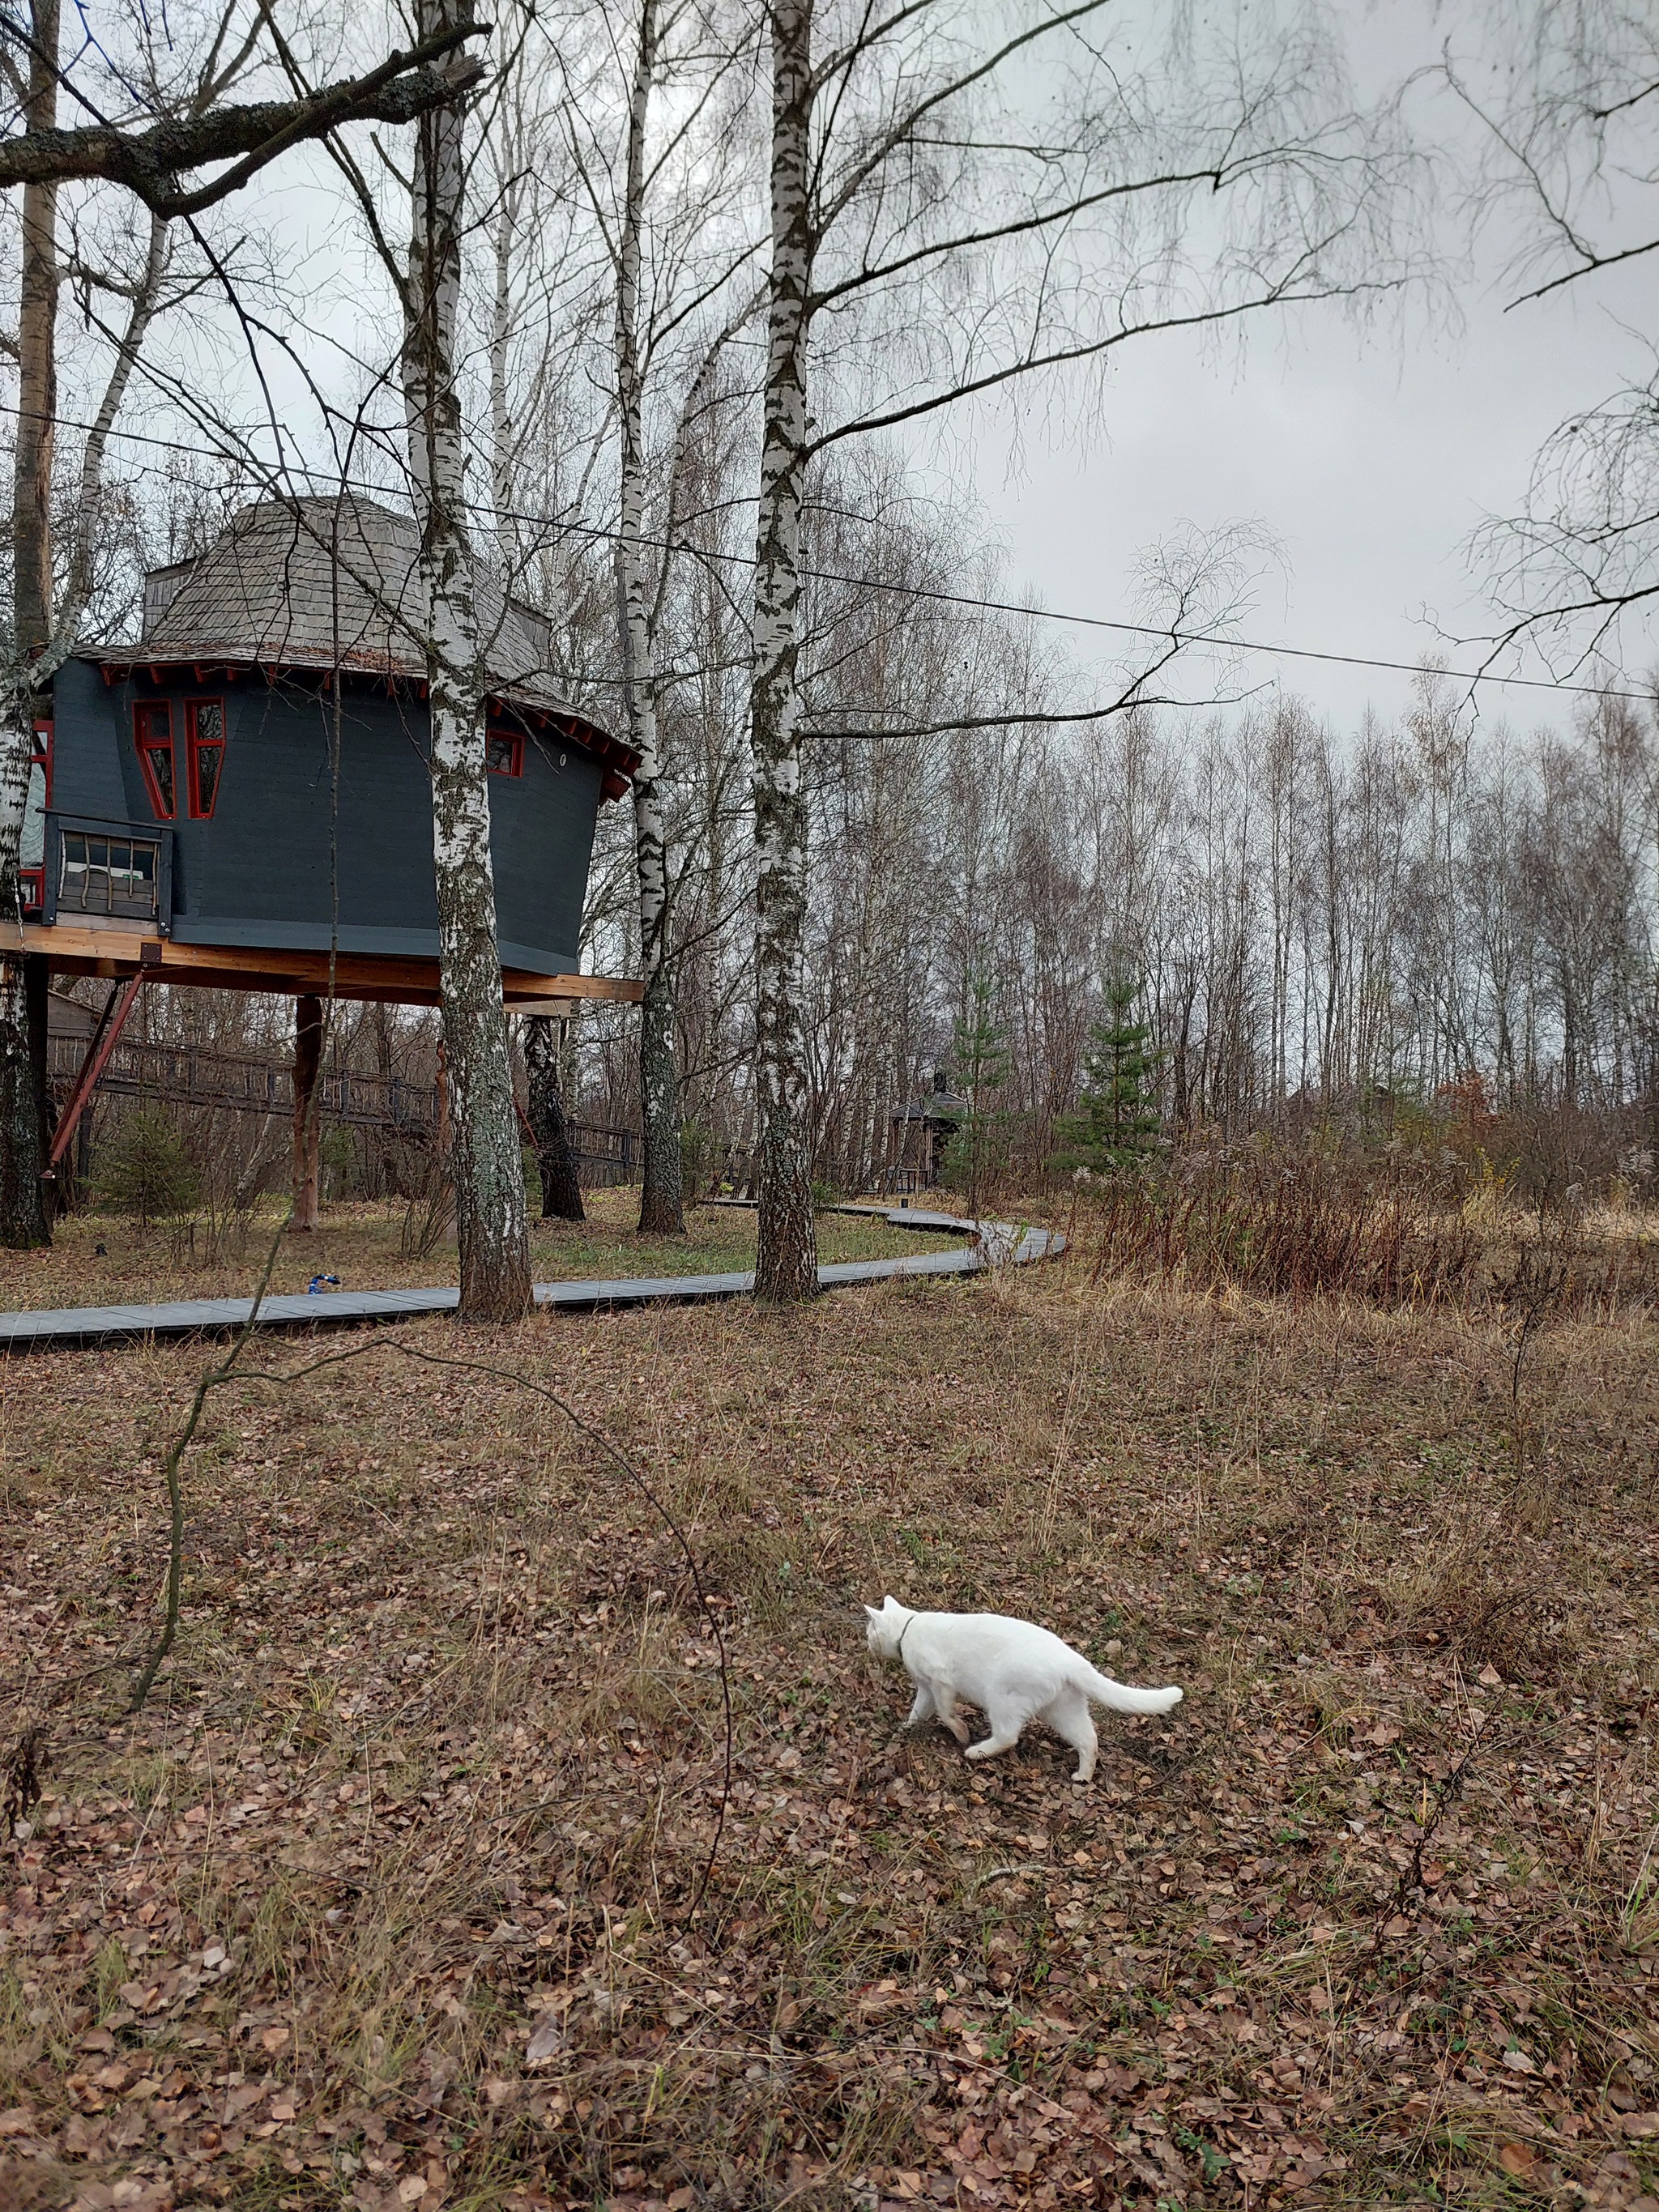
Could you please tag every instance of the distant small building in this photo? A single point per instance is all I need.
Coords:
(245, 791)
(922, 1129)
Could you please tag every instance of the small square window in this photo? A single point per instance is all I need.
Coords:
(152, 725)
(504, 752)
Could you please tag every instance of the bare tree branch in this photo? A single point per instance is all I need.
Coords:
(150, 163)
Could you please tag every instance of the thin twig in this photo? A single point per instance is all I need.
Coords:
(181, 1443)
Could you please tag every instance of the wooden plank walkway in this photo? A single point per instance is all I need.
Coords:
(1000, 1244)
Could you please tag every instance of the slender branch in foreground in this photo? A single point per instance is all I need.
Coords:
(181, 1443)
(229, 1371)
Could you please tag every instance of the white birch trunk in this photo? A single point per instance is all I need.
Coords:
(501, 440)
(787, 1262)
(24, 1221)
(487, 1162)
(662, 1197)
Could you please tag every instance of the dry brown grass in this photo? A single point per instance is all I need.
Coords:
(1373, 1919)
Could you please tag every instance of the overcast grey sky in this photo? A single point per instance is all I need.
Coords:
(1369, 458)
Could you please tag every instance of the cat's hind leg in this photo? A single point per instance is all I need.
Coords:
(944, 1705)
(1007, 1719)
(1069, 1717)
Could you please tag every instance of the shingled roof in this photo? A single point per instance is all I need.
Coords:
(331, 583)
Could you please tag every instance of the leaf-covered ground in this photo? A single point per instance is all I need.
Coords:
(363, 1246)
(386, 1898)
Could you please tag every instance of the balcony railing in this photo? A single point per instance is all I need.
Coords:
(194, 1076)
(107, 871)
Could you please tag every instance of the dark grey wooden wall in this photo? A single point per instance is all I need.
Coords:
(289, 836)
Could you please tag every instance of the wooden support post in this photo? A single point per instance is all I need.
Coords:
(307, 1113)
(119, 1003)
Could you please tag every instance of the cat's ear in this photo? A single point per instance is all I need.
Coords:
(891, 1605)
(874, 1612)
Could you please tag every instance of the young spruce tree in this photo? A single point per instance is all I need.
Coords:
(979, 1047)
(1117, 1122)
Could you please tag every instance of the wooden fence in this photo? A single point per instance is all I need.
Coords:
(194, 1075)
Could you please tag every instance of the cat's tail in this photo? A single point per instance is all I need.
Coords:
(1122, 1697)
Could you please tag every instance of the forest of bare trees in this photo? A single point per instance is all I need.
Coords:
(1337, 918)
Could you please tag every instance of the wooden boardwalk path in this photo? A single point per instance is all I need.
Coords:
(1000, 1243)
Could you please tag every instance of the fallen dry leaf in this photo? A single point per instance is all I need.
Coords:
(546, 2041)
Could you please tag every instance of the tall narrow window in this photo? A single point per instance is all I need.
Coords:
(37, 800)
(204, 746)
(504, 752)
(152, 723)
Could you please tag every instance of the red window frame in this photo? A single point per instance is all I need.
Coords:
(34, 880)
(149, 744)
(195, 746)
(513, 741)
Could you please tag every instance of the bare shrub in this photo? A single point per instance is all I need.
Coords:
(430, 1205)
(1465, 1591)
(1302, 1224)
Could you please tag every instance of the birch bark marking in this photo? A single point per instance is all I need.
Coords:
(787, 1262)
(23, 1216)
(486, 1163)
(662, 1198)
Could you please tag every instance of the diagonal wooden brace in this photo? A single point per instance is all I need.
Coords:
(119, 1003)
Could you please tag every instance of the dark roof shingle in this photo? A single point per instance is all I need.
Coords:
(326, 583)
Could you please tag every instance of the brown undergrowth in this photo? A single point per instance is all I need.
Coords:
(383, 1901)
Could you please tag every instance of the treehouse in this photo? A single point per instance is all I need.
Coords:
(241, 798)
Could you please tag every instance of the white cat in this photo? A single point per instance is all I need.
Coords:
(1012, 1670)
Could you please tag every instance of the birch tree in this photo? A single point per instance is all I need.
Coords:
(561, 1191)
(151, 157)
(913, 192)
(666, 197)
(662, 1209)
(487, 1161)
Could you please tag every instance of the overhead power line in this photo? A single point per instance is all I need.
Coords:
(1214, 640)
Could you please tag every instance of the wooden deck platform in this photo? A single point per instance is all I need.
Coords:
(88, 947)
